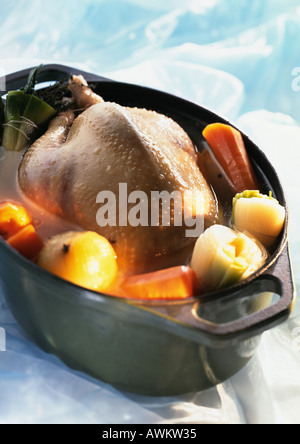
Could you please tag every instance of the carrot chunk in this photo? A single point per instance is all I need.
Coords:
(26, 242)
(12, 219)
(229, 149)
(171, 284)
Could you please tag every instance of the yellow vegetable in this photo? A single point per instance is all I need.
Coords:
(84, 258)
(260, 215)
(223, 257)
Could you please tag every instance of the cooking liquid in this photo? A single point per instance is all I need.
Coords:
(46, 224)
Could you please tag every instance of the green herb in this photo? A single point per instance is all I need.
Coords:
(32, 80)
(58, 95)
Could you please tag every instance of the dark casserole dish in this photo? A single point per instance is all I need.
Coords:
(156, 349)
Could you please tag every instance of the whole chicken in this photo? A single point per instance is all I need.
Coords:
(108, 145)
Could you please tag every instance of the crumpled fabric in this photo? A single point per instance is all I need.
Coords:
(239, 59)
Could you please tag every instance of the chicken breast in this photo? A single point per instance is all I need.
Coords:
(109, 145)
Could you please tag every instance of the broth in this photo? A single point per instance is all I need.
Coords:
(46, 224)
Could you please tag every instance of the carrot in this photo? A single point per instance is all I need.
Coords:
(26, 242)
(12, 219)
(171, 284)
(229, 149)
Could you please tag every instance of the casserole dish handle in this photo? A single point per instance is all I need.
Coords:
(278, 282)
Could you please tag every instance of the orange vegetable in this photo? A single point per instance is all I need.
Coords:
(172, 284)
(82, 257)
(12, 219)
(229, 149)
(26, 242)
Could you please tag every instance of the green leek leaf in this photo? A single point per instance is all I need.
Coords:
(25, 115)
(32, 80)
(36, 115)
(15, 105)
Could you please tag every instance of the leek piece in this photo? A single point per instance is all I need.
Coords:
(14, 108)
(24, 114)
(260, 215)
(223, 257)
(234, 273)
(35, 116)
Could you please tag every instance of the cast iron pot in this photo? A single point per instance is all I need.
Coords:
(151, 349)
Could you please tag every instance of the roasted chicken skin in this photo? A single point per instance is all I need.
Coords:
(105, 146)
